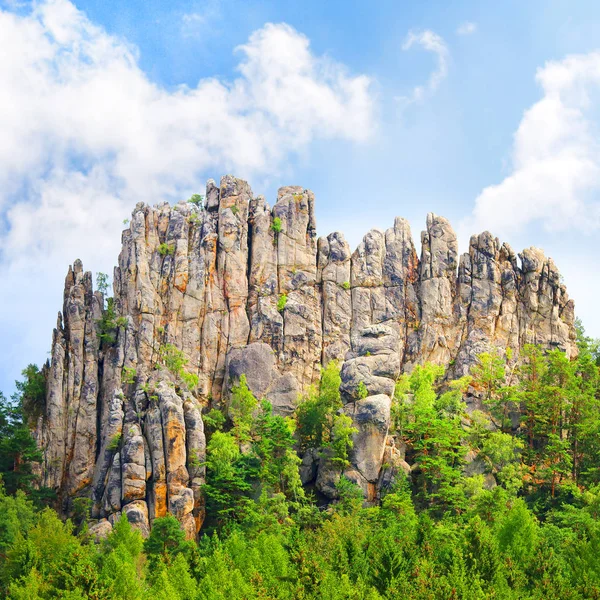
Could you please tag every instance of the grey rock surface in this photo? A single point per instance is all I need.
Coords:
(239, 288)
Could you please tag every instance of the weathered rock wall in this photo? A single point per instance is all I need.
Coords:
(241, 288)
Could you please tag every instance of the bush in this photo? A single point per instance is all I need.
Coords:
(107, 325)
(276, 226)
(115, 442)
(190, 380)
(346, 285)
(166, 249)
(128, 375)
(175, 361)
(172, 358)
(281, 302)
(362, 391)
(214, 419)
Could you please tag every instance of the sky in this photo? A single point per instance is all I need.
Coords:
(486, 113)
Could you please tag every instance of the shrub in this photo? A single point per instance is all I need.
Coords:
(194, 460)
(362, 391)
(166, 249)
(281, 302)
(346, 285)
(194, 219)
(172, 358)
(276, 226)
(128, 375)
(214, 419)
(235, 210)
(108, 324)
(175, 361)
(115, 442)
(122, 322)
(190, 380)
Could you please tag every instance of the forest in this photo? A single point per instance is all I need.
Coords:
(501, 500)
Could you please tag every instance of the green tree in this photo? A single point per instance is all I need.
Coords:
(120, 562)
(228, 487)
(493, 377)
(51, 561)
(166, 540)
(341, 441)
(102, 283)
(31, 392)
(316, 413)
(241, 410)
(197, 200)
(431, 427)
(18, 449)
(584, 420)
(107, 325)
(275, 449)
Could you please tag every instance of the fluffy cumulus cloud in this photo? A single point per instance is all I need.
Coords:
(431, 42)
(86, 134)
(554, 178)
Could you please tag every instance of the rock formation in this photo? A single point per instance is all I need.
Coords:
(239, 288)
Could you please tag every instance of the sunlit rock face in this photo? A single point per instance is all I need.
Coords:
(240, 288)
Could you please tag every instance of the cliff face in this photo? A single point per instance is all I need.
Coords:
(240, 288)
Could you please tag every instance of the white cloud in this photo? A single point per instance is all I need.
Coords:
(85, 135)
(555, 176)
(200, 23)
(466, 28)
(431, 42)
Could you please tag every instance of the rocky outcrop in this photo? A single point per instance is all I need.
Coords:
(240, 288)
(257, 363)
(69, 433)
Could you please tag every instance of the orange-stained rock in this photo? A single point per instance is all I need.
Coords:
(238, 287)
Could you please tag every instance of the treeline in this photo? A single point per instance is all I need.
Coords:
(501, 500)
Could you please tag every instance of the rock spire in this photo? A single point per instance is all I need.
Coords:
(238, 287)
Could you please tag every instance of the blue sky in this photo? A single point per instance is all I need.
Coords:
(382, 109)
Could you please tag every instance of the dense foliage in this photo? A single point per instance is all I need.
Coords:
(502, 500)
